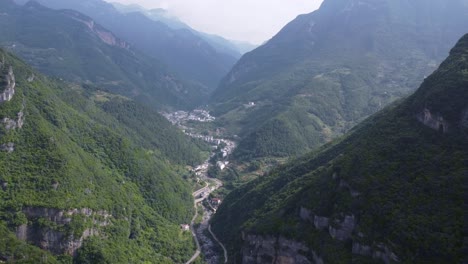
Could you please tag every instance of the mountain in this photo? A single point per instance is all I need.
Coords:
(326, 71)
(183, 51)
(222, 45)
(391, 191)
(72, 46)
(88, 176)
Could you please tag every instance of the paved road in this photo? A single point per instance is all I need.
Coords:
(219, 242)
(192, 229)
(206, 191)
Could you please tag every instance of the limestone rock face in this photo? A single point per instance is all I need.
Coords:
(9, 91)
(56, 240)
(278, 250)
(378, 251)
(433, 120)
(343, 230)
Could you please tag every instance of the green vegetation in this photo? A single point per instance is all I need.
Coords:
(63, 44)
(328, 70)
(109, 155)
(403, 181)
(182, 50)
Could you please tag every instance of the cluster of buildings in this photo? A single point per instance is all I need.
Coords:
(182, 116)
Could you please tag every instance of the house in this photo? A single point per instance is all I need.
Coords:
(216, 201)
(185, 227)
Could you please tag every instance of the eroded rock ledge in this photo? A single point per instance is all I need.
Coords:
(277, 250)
(50, 229)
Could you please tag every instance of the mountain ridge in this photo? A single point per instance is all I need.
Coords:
(325, 71)
(389, 191)
(70, 45)
(184, 52)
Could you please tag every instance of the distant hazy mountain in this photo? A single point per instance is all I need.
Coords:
(391, 191)
(182, 50)
(72, 46)
(234, 48)
(327, 70)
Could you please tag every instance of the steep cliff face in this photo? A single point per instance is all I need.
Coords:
(10, 84)
(105, 35)
(7, 95)
(276, 250)
(56, 231)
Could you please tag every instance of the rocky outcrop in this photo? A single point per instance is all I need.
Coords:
(105, 35)
(434, 121)
(8, 147)
(320, 222)
(10, 84)
(342, 230)
(9, 125)
(277, 250)
(14, 124)
(53, 237)
(378, 251)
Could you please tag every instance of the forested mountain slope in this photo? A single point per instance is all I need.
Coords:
(80, 176)
(390, 191)
(188, 54)
(327, 70)
(72, 46)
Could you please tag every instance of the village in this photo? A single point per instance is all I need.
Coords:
(179, 117)
(205, 202)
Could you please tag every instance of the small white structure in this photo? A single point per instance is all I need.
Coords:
(185, 227)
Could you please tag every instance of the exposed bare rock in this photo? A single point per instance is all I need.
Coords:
(342, 230)
(9, 91)
(378, 251)
(321, 222)
(31, 78)
(14, 124)
(105, 35)
(305, 214)
(55, 240)
(269, 249)
(434, 121)
(8, 147)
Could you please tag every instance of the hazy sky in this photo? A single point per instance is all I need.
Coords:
(251, 20)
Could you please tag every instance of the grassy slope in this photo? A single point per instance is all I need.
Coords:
(99, 163)
(411, 180)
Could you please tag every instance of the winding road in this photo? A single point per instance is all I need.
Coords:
(205, 192)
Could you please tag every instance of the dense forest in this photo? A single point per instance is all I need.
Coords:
(69, 155)
(391, 190)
